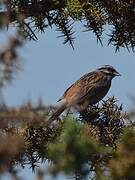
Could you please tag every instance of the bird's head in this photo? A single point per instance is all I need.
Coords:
(109, 71)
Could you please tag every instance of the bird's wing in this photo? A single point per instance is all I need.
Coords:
(89, 85)
(65, 93)
(72, 87)
(82, 86)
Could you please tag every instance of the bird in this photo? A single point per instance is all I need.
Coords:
(88, 90)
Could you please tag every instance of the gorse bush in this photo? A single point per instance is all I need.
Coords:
(94, 144)
(30, 17)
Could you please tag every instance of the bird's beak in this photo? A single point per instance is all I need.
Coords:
(117, 74)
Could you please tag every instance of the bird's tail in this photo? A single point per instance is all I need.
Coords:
(55, 115)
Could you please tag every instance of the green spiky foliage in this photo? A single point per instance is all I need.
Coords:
(114, 16)
(123, 162)
(93, 145)
(113, 19)
(75, 152)
(9, 60)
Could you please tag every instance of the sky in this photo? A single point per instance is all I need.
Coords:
(49, 68)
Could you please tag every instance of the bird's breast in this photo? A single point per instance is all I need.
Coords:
(98, 94)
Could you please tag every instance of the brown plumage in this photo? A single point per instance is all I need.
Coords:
(88, 90)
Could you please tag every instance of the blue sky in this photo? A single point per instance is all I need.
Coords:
(49, 67)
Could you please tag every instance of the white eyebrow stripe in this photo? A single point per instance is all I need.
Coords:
(106, 71)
